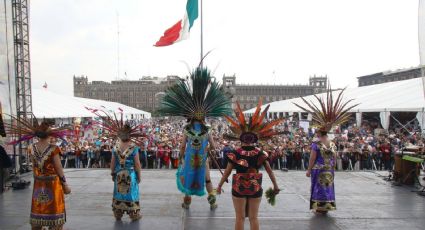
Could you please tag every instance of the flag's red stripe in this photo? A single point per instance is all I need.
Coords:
(170, 35)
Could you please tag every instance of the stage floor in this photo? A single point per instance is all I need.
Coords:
(364, 201)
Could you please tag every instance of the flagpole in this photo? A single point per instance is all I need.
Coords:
(118, 45)
(202, 34)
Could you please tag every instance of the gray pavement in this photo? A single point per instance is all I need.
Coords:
(364, 201)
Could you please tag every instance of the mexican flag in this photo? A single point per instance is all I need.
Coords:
(180, 30)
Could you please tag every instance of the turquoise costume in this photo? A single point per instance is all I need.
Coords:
(197, 97)
(126, 188)
(191, 173)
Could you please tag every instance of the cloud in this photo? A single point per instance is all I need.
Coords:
(296, 39)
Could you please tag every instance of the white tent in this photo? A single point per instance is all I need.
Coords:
(47, 104)
(407, 95)
(400, 96)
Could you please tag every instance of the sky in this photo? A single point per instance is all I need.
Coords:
(261, 42)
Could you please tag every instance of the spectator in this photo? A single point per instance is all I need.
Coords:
(306, 156)
(5, 163)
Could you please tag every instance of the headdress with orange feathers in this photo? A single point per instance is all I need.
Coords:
(331, 113)
(251, 130)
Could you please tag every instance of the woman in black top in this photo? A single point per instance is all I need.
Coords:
(247, 160)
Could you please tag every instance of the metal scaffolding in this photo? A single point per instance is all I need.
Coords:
(20, 14)
(20, 17)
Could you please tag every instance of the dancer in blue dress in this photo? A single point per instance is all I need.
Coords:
(125, 164)
(326, 114)
(125, 171)
(196, 99)
(192, 172)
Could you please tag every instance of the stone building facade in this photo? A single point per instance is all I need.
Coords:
(248, 95)
(146, 93)
(390, 76)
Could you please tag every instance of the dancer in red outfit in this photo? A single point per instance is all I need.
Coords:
(247, 160)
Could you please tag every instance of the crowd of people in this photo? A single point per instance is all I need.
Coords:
(358, 148)
(238, 144)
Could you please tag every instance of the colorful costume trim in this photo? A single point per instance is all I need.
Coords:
(328, 114)
(126, 188)
(241, 162)
(48, 199)
(190, 176)
(322, 178)
(247, 180)
(247, 185)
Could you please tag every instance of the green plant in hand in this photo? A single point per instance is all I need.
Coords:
(271, 196)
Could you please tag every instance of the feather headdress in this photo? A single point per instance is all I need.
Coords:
(253, 129)
(117, 127)
(196, 98)
(329, 112)
(28, 130)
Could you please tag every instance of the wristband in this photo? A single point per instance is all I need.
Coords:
(62, 179)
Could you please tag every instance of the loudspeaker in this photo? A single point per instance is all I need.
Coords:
(21, 184)
(2, 131)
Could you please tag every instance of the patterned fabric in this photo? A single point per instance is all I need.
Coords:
(48, 203)
(191, 173)
(247, 185)
(322, 178)
(247, 159)
(126, 188)
(247, 180)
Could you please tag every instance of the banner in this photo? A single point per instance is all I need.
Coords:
(7, 67)
(421, 32)
(304, 125)
(7, 60)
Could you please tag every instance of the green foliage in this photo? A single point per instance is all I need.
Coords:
(271, 196)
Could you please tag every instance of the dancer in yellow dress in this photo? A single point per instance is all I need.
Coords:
(50, 185)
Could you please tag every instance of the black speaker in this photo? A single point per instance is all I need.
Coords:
(2, 131)
(20, 184)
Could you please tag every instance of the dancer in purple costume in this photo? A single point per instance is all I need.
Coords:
(326, 113)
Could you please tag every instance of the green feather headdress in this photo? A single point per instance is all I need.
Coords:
(197, 97)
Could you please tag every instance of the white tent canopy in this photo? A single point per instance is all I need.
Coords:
(47, 104)
(400, 96)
